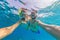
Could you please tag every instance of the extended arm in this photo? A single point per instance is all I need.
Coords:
(52, 29)
(8, 30)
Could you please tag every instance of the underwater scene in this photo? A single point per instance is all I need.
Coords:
(29, 19)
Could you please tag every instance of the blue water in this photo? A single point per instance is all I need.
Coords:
(20, 33)
(55, 9)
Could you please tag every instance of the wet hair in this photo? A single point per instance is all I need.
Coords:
(34, 10)
(23, 9)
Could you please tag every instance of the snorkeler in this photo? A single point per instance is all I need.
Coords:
(22, 14)
(33, 14)
(32, 24)
(8, 30)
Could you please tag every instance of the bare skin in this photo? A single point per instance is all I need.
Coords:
(8, 30)
(54, 30)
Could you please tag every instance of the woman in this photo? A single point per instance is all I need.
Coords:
(8, 30)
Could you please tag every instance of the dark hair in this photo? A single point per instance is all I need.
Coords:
(23, 19)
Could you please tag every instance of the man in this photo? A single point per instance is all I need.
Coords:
(33, 14)
(32, 24)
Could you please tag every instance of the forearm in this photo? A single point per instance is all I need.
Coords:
(52, 29)
(8, 30)
(3, 32)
